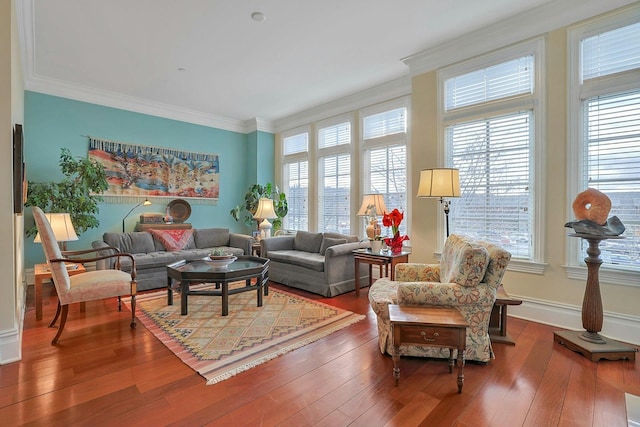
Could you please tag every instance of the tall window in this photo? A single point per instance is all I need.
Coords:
(296, 180)
(384, 132)
(334, 169)
(606, 94)
(489, 112)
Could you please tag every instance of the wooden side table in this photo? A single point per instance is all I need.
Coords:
(381, 259)
(42, 272)
(429, 327)
(498, 321)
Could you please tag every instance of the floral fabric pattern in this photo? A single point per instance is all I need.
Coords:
(463, 262)
(420, 284)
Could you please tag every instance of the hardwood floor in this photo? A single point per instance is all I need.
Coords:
(102, 373)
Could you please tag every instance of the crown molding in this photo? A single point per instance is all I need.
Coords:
(545, 18)
(258, 124)
(380, 93)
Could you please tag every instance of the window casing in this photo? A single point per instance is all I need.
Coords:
(604, 131)
(491, 126)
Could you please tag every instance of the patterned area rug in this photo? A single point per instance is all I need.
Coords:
(218, 347)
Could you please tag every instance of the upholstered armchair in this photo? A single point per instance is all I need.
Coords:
(467, 278)
(92, 285)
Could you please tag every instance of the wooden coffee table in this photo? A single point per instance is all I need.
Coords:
(429, 327)
(244, 268)
(382, 259)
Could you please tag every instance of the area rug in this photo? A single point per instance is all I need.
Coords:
(219, 347)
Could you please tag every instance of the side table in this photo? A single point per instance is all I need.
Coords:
(42, 272)
(430, 327)
(377, 258)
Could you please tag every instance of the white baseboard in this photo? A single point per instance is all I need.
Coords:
(620, 327)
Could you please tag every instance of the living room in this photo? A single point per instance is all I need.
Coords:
(550, 281)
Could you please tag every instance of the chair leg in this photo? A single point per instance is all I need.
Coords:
(133, 312)
(55, 318)
(63, 320)
(119, 303)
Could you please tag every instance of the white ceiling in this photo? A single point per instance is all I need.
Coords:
(304, 54)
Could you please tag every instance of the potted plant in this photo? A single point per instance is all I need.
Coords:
(252, 197)
(76, 194)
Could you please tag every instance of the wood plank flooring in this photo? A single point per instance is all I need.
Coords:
(102, 373)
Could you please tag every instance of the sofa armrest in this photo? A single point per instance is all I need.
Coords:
(416, 272)
(339, 261)
(344, 249)
(241, 241)
(280, 243)
(445, 294)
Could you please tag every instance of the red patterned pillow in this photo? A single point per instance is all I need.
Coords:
(174, 239)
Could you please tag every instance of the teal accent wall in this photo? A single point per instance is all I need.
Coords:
(52, 123)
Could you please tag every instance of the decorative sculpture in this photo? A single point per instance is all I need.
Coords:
(591, 208)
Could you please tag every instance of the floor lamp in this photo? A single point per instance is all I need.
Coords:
(440, 183)
(145, 203)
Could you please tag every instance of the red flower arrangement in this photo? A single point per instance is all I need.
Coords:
(393, 220)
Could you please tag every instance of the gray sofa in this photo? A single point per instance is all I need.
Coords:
(321, 263)
(152, 257)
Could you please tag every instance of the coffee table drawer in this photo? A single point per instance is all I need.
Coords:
(427, 335)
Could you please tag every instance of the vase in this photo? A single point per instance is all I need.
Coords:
(168, 219)
(376, 245)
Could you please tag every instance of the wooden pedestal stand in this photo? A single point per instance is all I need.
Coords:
(590, 343)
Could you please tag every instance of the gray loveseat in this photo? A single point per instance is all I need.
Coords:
(152, 257)
(321, 263)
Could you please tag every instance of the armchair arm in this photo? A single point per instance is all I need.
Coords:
(445, 294)
(416, 272)
(117, 255)
(241, 241)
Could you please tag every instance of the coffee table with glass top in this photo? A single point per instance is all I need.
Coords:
(253, 270)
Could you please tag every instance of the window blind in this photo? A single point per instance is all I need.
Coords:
(509, 78)
(297, 191)
(296, 143)
(335, 194)
(385, 123)
(611, 52)
(388, 176)
(335, 135)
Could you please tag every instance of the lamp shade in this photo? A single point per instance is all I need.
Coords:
(440, 182)
(375, 200)
(265, 210)
(62, 227)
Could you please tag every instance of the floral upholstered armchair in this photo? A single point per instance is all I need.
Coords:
(467, 278)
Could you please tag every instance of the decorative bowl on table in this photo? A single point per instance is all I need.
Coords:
(220, 262)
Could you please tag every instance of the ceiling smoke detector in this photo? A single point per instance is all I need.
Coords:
(258, 16)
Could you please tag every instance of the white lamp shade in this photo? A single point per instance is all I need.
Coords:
(265, 210)
(62, 227)
(441, 182)
(372, 199)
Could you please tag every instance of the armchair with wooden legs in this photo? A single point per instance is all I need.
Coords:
(89, 286)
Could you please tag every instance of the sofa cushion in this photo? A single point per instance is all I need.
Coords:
(307, 242)
(463, 262)
(211, 237)
(133, 243)
(313, 261)
(350, 238)
(173, 239)
(327, 242)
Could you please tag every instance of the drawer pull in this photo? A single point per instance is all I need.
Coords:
(424, 336)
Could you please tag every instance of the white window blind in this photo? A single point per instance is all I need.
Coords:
(296, 143)
(297, 191)
(335, 192)
(611, 52)
(385, 123)
(388, 176)
(495, 180)
(335, 135)
(509, 78)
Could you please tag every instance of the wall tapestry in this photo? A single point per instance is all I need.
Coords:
(136, 170)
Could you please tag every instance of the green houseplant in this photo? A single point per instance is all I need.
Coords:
(244, 211)
(76, 194)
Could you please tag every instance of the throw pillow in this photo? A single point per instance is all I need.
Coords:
(463, 262)
(327, 242)
(307, 242)
(173, 240)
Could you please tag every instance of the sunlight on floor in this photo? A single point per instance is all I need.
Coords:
(633, 409)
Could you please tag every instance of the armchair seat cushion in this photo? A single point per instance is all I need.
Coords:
(100, 284)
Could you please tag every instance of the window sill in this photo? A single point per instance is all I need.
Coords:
(606, 275)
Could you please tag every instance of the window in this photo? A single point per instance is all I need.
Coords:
(296, 180)
(385, 155)
(489, 124)
(605, 91)
(334, 169)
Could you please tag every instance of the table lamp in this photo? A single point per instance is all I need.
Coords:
(62, 228)
(146, 202)
(372, 206)
(265, 212)
(440, 183)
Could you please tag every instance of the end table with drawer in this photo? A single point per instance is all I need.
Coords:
(429, 327)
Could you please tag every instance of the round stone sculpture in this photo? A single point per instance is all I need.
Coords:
(593, 205)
